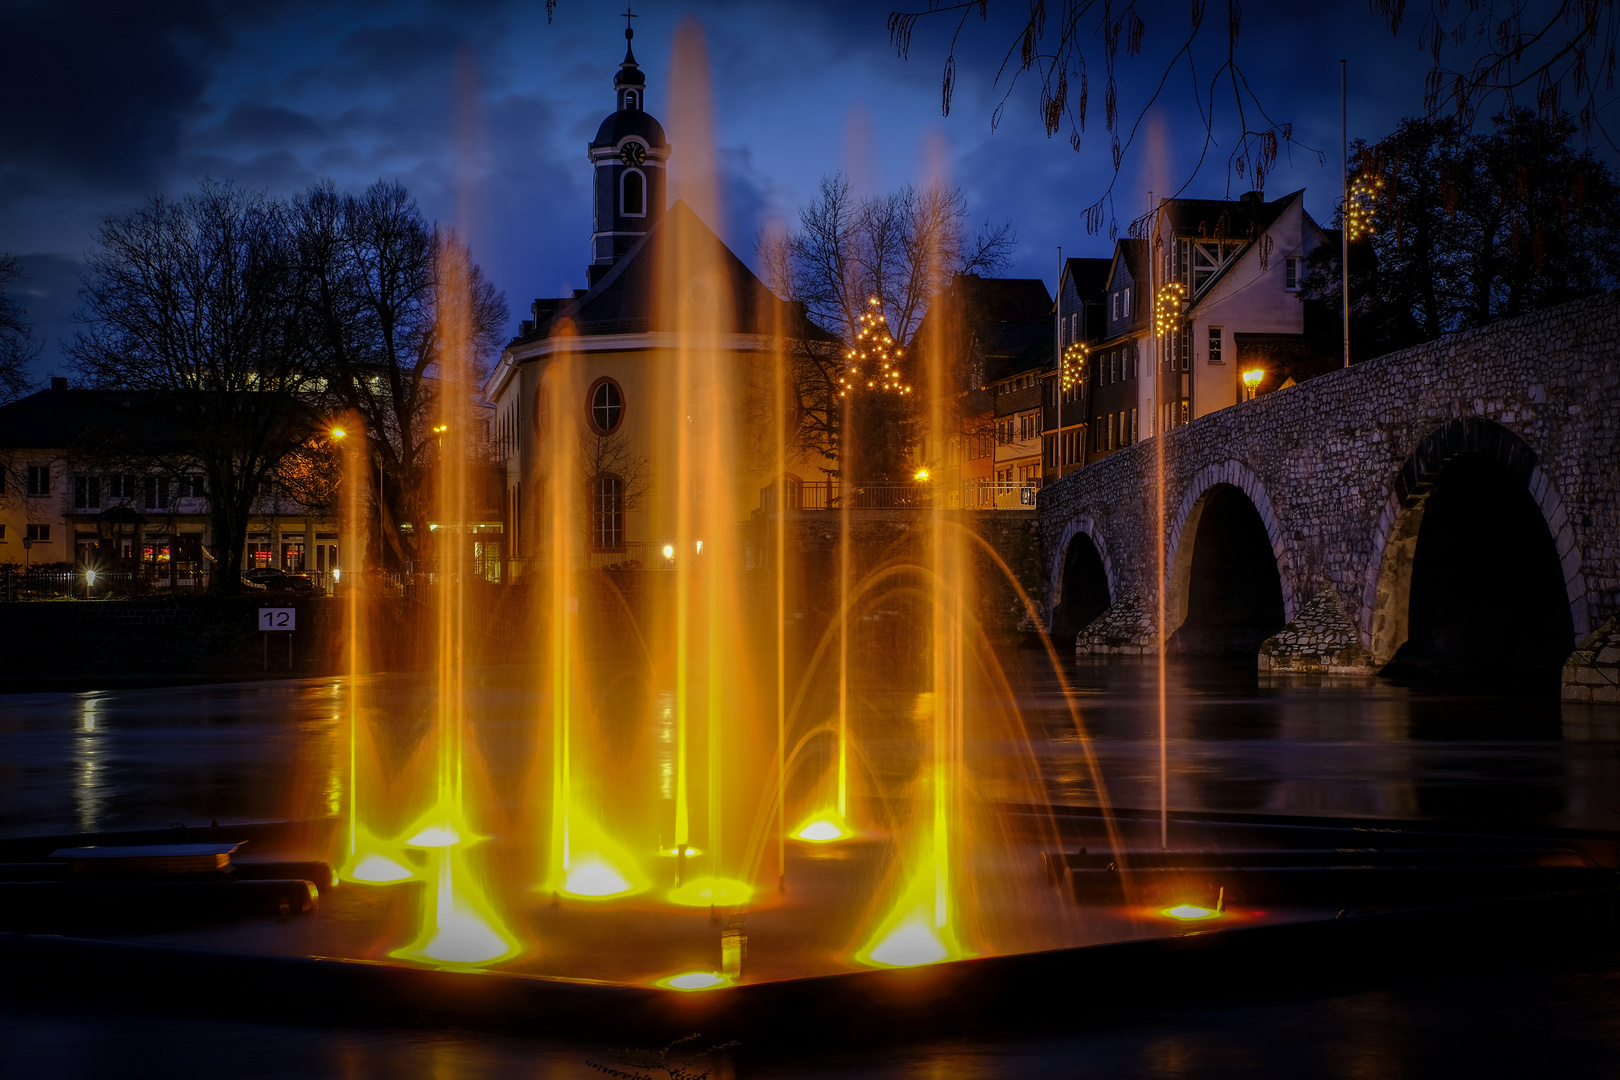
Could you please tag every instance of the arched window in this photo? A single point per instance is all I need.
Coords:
(630, 99)
(605, 406)
(607, 514)
(633, 193)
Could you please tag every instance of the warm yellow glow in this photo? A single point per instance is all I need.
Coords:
(688, 851)
(911, 944)
(922, 474)
(378, 870)
(440, 429)
(1074, 365)
(459, 927)
(1253, 376)
(435, 836)
(822, 830)
(699, 546)
(1167, 307)
(338, 433)
(596, 879)
(337, 575)
(669, 551)
(1189, 912)
(712, 892)
(696, 980)
(875, 347)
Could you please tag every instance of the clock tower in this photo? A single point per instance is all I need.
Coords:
(628, 155)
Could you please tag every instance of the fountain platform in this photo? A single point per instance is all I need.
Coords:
(589, 970)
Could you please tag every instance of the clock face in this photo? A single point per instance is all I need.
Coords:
(632, 153)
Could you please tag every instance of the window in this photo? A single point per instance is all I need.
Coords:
(1004, 431)
(1130, 358)
(1029, 425)
(1116, 303)
(157, 492)
(1113, 430)
(191, 486)
(39, 479)
(122, 486)
(630, 99)
(1127, 301)
(606, 406)
(39, 534)
(1133, 425)
(607, 514)
(1215, 345)
(633, 193)
(87, 493)
(1113, 366)
(1293, 273)
(2, 534)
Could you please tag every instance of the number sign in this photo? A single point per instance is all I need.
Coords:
(278, 618)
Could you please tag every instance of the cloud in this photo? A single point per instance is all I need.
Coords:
(97, 93)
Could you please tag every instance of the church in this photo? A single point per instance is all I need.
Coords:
(670, 353)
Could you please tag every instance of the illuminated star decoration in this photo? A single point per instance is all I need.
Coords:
(872, 362)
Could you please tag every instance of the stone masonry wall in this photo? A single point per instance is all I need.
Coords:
(1338, 467)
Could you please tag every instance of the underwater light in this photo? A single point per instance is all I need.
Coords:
(435, 836)
(688, 851)
(595, 879)
(1189, 912)
(712, 892)
(821, 831)
(464, 938)
(379, 870)
(912, 944)
(696, 980)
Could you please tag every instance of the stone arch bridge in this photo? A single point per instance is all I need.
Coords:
(1448, 508)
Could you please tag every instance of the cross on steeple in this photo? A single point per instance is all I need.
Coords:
(628, 15)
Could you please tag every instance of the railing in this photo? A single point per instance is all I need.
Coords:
(83, 583)
(888, 495)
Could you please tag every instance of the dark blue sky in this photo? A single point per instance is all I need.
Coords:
(108, 103)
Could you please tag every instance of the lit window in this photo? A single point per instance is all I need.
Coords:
(607, 407)
(607, 514)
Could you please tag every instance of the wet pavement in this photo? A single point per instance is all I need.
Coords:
(108, 760)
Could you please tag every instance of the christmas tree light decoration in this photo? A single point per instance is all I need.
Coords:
(1167, 307)
(875, 351)
(1359, 207)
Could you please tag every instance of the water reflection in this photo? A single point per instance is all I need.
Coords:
(144, 758)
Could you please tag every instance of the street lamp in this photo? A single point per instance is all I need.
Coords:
(1251, 383)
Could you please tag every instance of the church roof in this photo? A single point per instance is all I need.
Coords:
(630, 122)
(639, 294)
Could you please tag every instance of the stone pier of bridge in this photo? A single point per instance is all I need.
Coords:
(1453, 503)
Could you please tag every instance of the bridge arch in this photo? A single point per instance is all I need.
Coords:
(1208, 486)
(1081, 570)
(1460, 472)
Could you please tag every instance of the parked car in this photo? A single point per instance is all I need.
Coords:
(272, 580)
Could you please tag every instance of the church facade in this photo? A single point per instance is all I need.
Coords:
(607, 400)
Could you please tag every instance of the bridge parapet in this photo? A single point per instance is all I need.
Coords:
(1339, 471)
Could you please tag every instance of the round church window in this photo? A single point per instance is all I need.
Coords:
(606, 406)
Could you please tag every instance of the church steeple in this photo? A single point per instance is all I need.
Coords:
(628, 153)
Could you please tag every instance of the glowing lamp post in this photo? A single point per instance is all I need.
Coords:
(1251, 383)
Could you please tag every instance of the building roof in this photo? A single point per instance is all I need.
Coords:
(640, 294)
(1089, 276)
(60, 417)
(1241, 219)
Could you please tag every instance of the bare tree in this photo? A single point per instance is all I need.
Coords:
(197, 303)
(1542, 48)
(902, 248)
(374, 267)
(18, 346)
